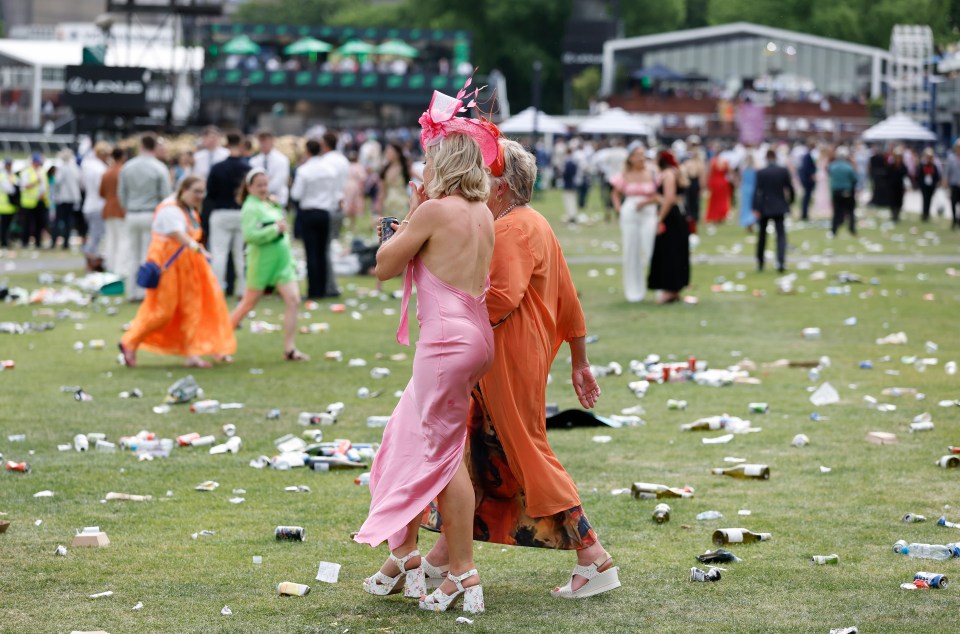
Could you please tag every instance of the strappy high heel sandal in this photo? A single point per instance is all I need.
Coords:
(434, 575)
(411, 581)
(597, 581)
(472, 596)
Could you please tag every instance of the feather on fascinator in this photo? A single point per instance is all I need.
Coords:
(440, 119)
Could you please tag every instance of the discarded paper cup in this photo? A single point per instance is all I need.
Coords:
(291, 589)
(229, 430)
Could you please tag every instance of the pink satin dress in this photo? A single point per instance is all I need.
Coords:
(423, 443)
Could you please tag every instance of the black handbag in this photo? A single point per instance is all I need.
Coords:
(148, 275)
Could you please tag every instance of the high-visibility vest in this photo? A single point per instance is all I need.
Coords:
(30, 193)
(6, 207)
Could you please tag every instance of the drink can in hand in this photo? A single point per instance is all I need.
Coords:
(386, 227)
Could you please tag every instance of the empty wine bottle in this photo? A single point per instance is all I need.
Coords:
(738, 536)
(926, 551)
(711, 423)
(661, 513)
(752, 471)
(647, 491)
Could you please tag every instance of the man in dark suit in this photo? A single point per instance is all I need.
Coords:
(771, 202)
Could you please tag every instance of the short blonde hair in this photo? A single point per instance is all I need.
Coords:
(519, 170)
(458, 169)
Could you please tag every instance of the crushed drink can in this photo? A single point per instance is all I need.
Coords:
(273, 414)
(699, 575)
(230, 430)
(386, 227)
(61, 551)
(80, 395)
(810, 333)
(826, 560)
(8, 364)
(933, 579)
(911, 518)
(20, 467)
(292, 589)
(759, 408)
(675, 404)
(290, 533)
(187, 439)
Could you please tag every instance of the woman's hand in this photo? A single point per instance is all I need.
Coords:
(585, 386)
(282, 226)
(661, 228)
(418, 196)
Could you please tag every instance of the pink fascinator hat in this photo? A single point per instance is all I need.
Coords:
(440, 119)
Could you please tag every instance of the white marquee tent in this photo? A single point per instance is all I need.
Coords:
(522, 123)
(899, 127)
(615, 121)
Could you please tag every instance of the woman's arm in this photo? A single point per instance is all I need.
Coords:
(669, 198)
(251, 223)
(410, 236)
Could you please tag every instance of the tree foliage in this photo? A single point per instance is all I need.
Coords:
(511, 34)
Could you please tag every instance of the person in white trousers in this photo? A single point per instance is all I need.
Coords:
(635, 198)
(114, 215)
(144, 183)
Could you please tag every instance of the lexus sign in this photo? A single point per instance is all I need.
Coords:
(118, 90)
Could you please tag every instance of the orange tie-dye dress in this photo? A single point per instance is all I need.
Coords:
(187, 313)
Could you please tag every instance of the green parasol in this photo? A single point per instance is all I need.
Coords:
(241, 45)
(356, 47)
(396, 48)
(307, 46)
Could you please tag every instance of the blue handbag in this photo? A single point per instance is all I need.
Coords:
(148, 275)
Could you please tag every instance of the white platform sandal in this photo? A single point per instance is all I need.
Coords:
(597, 582)
(410, 581)
(434, 574)
(472, 596)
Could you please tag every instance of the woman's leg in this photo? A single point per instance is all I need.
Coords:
(290, 293)
(457, 504)
(250, 299)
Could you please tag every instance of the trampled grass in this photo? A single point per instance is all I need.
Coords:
(853, 511)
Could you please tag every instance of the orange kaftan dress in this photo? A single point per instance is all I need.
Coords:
(534, 306)
(187, 313)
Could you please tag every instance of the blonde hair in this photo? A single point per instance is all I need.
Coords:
(519, 170)
(458, 169)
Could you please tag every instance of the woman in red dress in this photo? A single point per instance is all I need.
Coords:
(719, 204)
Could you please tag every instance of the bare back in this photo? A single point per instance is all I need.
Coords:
(460, 245)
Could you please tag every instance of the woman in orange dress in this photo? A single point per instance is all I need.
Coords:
(186, 314)
(524, 495)
(719, 204)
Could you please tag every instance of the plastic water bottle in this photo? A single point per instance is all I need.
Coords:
(926, 551)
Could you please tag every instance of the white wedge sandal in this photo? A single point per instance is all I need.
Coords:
(597, 582)
(434, 574)
(410, 581)
(472, 596)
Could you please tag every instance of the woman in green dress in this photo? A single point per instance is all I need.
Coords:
(269, 258)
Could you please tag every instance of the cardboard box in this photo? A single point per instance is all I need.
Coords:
(881, 438)
(4, 525)
(92, 540)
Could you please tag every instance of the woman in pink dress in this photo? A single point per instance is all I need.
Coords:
(445, 245)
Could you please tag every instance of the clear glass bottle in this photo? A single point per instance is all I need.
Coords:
(751, 471)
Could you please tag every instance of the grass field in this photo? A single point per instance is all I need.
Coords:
(853, 511)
